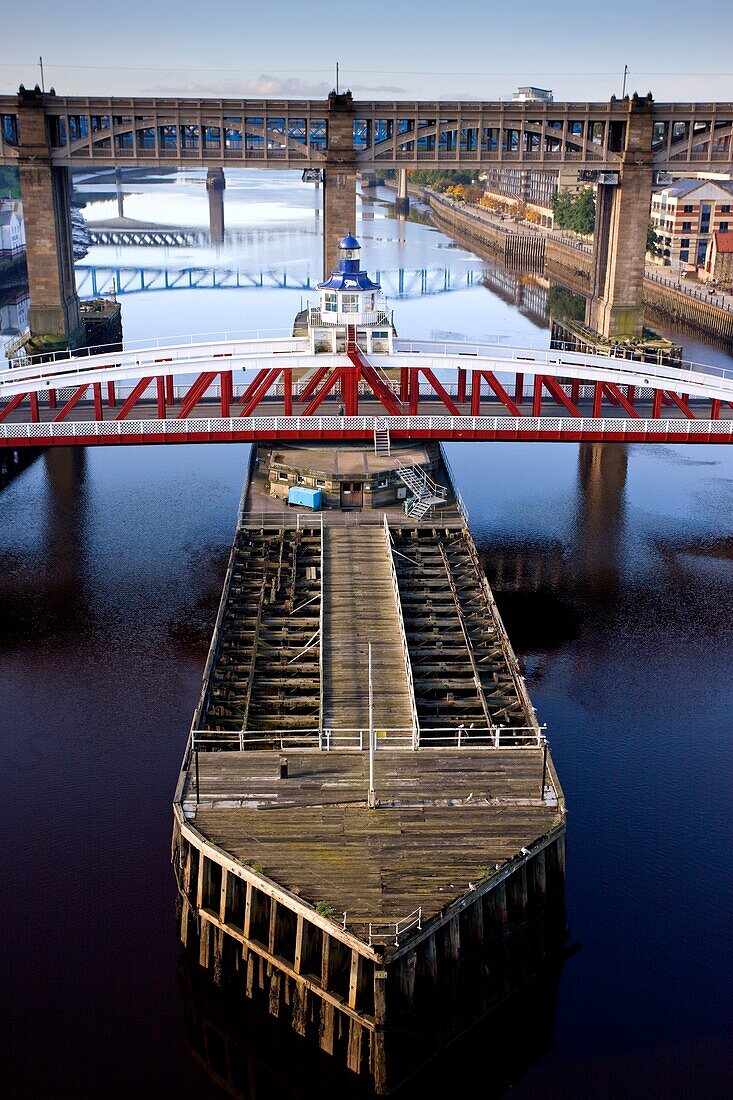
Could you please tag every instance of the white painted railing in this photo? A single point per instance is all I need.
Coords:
(383, 932)
(444, 427)
(194, 356)
(403, 637)
(454, 485)
(354, 739)
(538, 361)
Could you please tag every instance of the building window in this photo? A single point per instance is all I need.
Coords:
(281, 476)
(383, 483)
(685, 242)
(724, 227)
(349, 303)
(725, 208)
(705, 211)
(331, 303)
(687, 209)
(687, 227)
(684, 256)
(320, 483)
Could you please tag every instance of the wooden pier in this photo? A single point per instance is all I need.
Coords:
(369, 833)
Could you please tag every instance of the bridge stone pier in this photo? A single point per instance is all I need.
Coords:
(623, 140)
(339, 178)
(45, 192)
(615, 309)
(215, 187)
(402, 202)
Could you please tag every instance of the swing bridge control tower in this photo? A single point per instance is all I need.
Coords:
(369, 832)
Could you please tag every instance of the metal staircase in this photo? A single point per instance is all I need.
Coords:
(426, 493)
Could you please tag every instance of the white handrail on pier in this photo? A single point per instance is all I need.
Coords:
(403, 637)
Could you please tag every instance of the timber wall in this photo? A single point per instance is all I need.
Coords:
(380, 1013)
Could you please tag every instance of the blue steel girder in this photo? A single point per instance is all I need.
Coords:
(400, 283)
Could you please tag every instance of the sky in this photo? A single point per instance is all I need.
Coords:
(386, 49)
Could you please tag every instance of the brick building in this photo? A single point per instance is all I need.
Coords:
(719, 259)
(686, 214)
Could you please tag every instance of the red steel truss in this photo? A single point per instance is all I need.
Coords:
(413, 398)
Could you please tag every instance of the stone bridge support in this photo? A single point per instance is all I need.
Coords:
(402, 202)
(622, 218)
(339, 178)
(215, 186)
(46, 192)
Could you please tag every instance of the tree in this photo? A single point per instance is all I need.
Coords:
(576, 212)
(9, 183)
(653, 240)
(562, 208)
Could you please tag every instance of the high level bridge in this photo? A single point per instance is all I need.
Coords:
(625, 141)
(263, 389)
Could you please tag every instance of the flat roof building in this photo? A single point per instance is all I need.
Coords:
(530, 94)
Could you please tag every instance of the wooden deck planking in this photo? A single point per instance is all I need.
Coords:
(359, 608)
(317, 837)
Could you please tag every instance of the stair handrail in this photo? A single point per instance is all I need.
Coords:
(321, 641)
(403, 637)
(420, 473)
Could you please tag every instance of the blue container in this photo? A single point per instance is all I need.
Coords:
(305, 497)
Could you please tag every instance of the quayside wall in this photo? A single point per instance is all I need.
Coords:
(571, 265)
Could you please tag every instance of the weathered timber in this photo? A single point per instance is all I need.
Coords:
(374, 934)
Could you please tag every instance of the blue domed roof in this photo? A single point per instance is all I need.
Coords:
(349, 241)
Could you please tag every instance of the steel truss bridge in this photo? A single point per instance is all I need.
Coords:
(153, 132)
(402, 283)
(240, 390)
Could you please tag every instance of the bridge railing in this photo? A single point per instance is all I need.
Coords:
(530, 361)
(350, 427)
(228, 345)
(156, 343)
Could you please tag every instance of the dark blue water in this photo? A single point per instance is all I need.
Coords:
(613, 567)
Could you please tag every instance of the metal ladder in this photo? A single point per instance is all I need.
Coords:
(382, 442)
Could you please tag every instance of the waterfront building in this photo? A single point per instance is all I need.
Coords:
(532, 188)
(719, 259)
(685, 216)
(12, 230)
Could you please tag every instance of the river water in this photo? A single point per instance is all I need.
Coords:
(613, 568)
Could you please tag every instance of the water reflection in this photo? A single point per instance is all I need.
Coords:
(66, 522)
(253, 1056)
(111, 563)
(596, 558)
